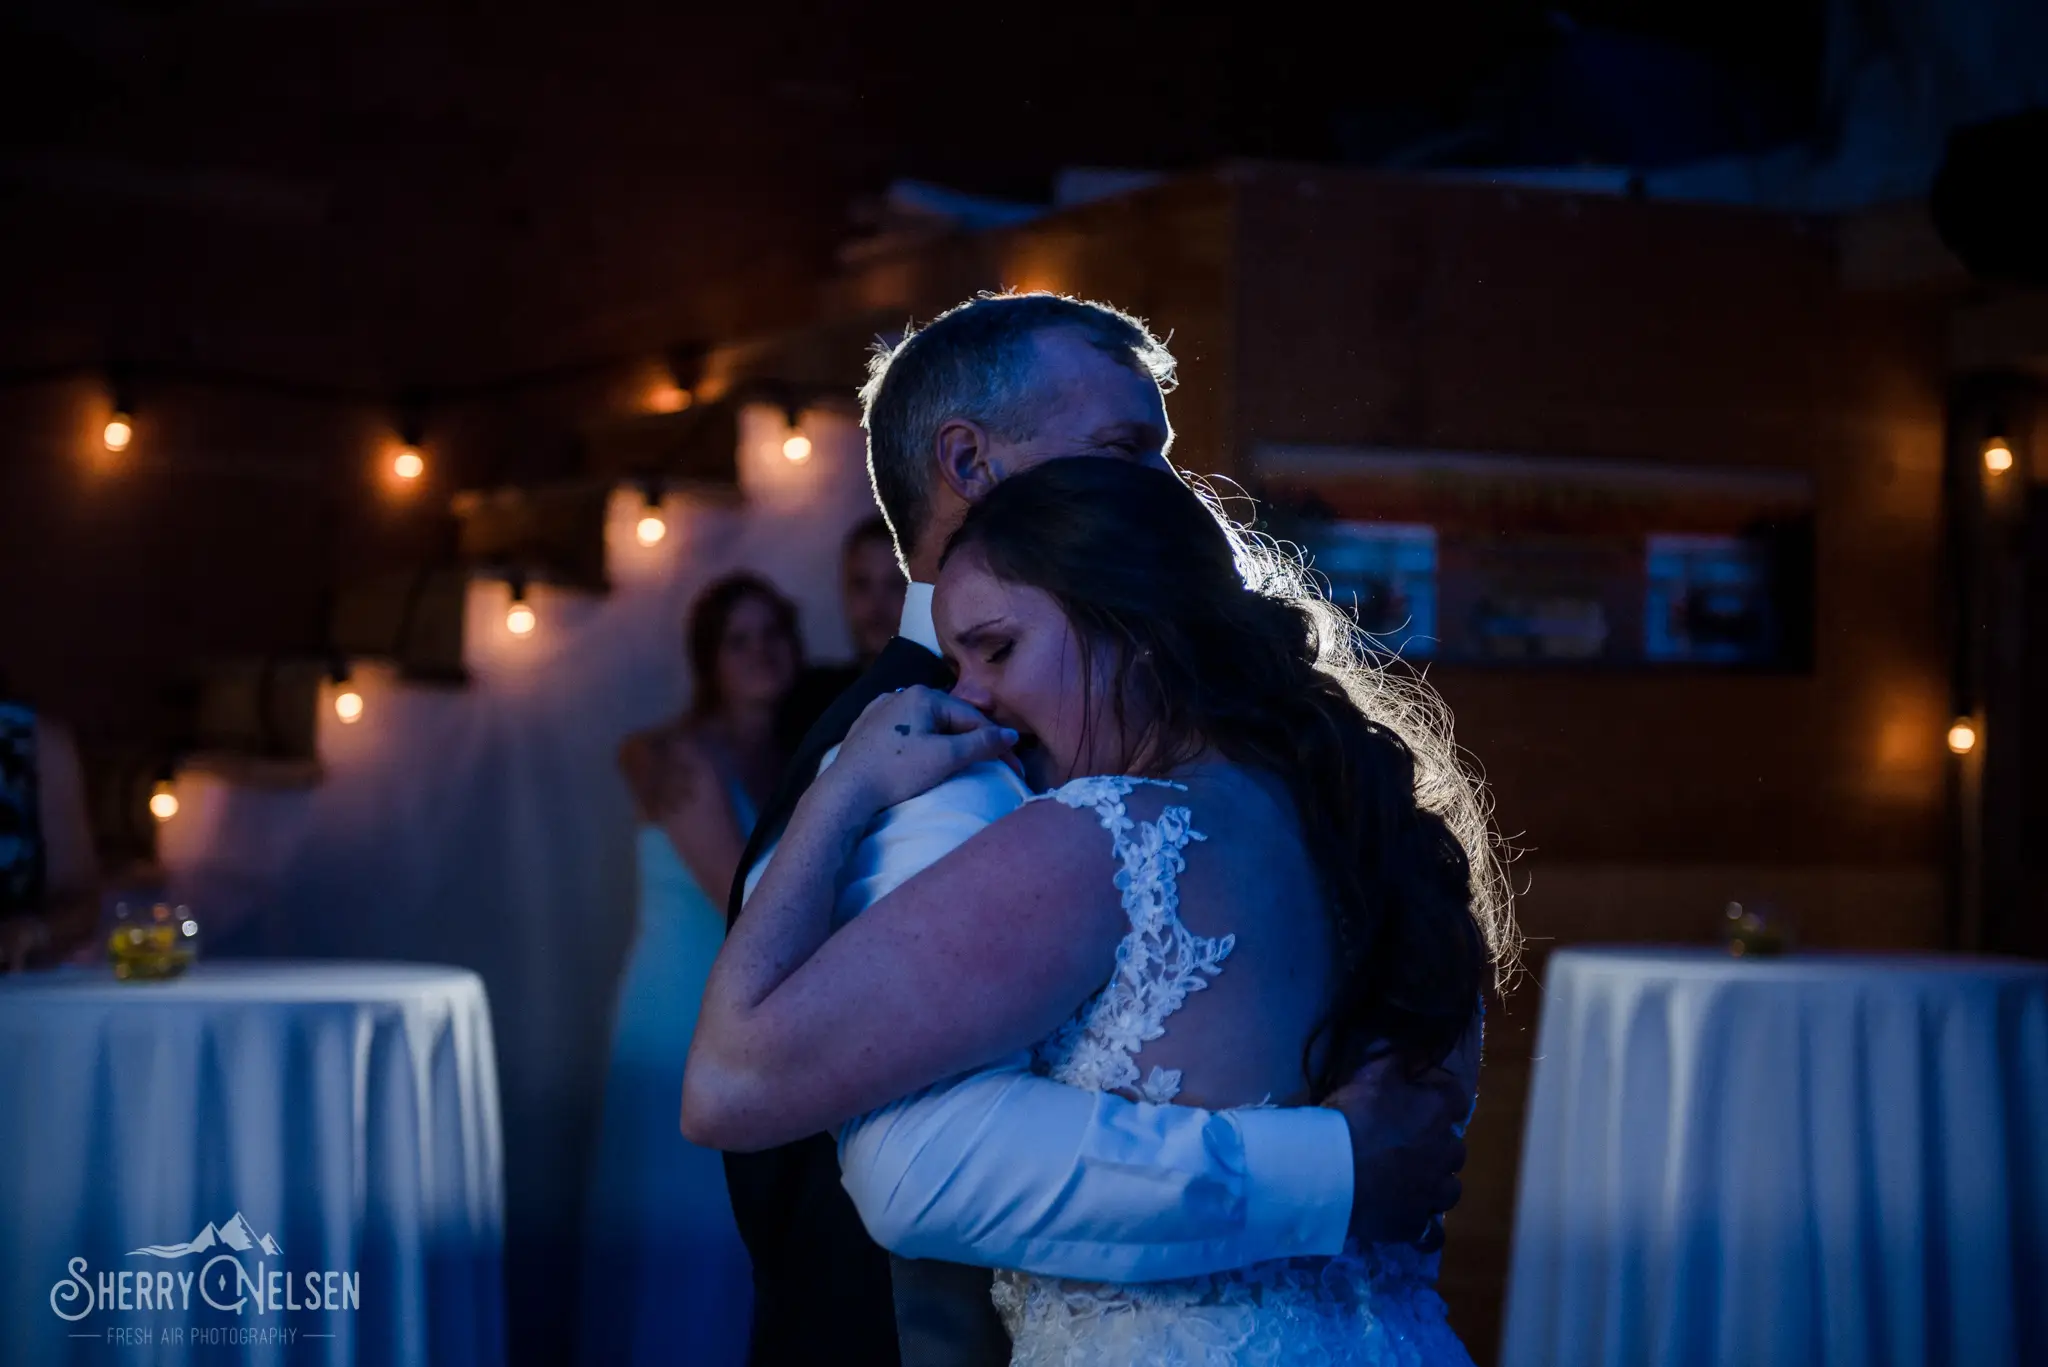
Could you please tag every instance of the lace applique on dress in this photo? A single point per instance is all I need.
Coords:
(1159, 962)
(1373, 1307)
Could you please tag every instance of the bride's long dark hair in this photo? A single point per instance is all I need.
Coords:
(1156, 585)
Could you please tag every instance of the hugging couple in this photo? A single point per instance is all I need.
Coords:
(1113, 950)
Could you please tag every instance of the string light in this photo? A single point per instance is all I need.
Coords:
(348, 704)
(1962, 736)
(120, 428)
(651, 527)
(409, 458)
(1997, 456)
(519, 618)
(163, 800)
(796, 448)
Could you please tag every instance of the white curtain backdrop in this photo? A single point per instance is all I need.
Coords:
(487, 826)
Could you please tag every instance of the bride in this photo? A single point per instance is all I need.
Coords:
(1228, 896)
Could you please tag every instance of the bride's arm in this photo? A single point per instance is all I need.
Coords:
(984, 953)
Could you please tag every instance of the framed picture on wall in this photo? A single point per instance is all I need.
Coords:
(1538, 597)
(1385, 573)
(1707, 600)
(1519, 561)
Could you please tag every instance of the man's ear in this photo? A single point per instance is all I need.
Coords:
(965, 460)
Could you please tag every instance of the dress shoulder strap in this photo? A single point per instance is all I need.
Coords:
(1160, 960)
(1149, 852)
(1104, 794)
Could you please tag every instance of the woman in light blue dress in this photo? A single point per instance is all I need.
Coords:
(665, 1276)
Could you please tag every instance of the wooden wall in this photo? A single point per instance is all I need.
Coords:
(1470, 318)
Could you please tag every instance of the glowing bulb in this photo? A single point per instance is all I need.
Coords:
(120, 431)
(348, 705)
(1997, 456)
(520, 620)
(1962, 737)
(797, 449)
(651, 529)
(163, 803)
(408, 464)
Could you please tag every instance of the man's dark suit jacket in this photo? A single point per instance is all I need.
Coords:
(822, 1287)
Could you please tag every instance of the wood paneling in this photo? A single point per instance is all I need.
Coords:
(1393, 313)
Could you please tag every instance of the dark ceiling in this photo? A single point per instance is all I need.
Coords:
(439, 193)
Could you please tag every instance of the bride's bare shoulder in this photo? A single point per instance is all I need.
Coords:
(1050, 821)
(1045, 848)
(1041, 875)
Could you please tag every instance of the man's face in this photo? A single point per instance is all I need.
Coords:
(871, 588)
(1092, 405)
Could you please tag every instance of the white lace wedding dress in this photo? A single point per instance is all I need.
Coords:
(1375, 1306)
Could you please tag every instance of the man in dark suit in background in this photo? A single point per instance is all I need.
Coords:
(871, 595)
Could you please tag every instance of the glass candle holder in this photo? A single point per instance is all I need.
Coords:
(151, 942)
(1754, 931)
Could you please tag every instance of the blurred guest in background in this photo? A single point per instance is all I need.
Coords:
(871, 589)
(666, 1277)
(49, 876)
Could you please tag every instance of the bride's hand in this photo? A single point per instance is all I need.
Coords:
(908, 742)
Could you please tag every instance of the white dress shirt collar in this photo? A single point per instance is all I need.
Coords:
(916, 623)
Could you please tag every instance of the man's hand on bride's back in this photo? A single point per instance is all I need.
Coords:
(908, 742)
(1405, 1150)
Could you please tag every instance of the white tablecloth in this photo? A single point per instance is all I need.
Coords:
(1817, 1160)
(313, 1146)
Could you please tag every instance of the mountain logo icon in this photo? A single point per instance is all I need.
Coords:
(237, 1234)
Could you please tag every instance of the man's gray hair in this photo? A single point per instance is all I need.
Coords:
(974, 362)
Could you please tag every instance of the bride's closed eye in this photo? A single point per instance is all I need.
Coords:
(988, 641)
(986, 652)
